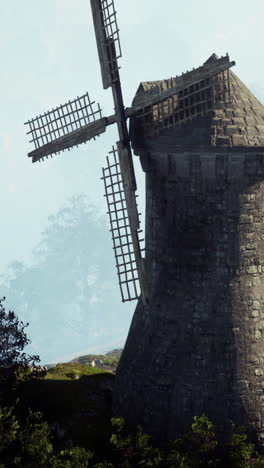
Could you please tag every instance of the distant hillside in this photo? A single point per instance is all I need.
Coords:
(109, 360)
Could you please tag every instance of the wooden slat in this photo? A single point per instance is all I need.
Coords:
(155, 95)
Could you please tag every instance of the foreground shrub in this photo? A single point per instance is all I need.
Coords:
(26, 441)
(133, 449)
(76, 457)
(241, 453)
(197, 448)
(28, 444)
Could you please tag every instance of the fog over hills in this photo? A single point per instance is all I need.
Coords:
(69, 294)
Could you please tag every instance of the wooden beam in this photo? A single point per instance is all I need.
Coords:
(76, 137)
(101, 43)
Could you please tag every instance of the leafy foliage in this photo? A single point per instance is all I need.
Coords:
(13, 340)
(197, 447)
(25, 444)
(14, 362)
(241, 453)
(29, 443)
(9, 427)
(76, 457)
(133, 448)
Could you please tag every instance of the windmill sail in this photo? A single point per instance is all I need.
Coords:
(124, 229)
(108, 45)
(107, 39)
(65, 126)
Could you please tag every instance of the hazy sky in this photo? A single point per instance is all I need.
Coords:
(49, 55)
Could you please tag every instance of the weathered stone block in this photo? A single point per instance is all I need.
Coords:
(260, 128)
(219, 114)
(238, 113)
(252, 131)
(246, 219)
(250, 121)
(226, 121)
(252, 246)
(245, 197)
(239, 121)
(253, 359)
(231, 130)
(252, 269)
(216, 121)
(229, 113)
(239, 140)
(222, 140)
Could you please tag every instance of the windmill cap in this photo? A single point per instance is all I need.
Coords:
(237, 121)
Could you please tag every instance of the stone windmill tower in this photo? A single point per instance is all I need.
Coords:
(196, 340)
(198, 345)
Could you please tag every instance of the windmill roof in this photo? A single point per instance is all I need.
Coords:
(235, 123)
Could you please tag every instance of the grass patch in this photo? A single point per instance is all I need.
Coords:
(71, 371)
(77, 397)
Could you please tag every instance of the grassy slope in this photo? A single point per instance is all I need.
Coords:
(110, 359)
(76, 396)
(71, 371)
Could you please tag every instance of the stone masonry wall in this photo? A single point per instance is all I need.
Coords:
(199, 344)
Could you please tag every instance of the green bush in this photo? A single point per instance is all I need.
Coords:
(241, 453)
(76, 457)
(9, 427)
(197, 448)
(27, 442)
(133, 448)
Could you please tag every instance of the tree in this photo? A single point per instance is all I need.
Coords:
(13, 340)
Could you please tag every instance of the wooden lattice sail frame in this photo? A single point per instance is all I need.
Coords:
(121, 229)
(183, 98)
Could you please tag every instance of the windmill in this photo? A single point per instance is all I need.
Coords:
(196, 340)
(80, 120)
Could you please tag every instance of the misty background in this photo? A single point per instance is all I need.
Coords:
(57, 268)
